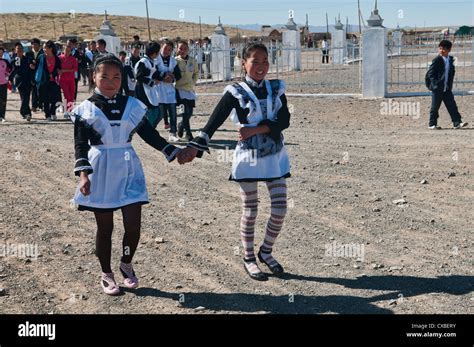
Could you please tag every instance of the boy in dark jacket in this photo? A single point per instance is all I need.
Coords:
(22, 77)
(439, 79)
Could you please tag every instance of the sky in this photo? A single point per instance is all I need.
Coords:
(418, 13)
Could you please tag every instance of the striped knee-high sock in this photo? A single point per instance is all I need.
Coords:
(249, 195)
(278, 196)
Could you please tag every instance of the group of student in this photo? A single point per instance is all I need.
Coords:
(132, 94)
(160, 79)
(163, 81)
(41, 75)
(110, 172)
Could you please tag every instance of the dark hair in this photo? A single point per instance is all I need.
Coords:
(102, 42)
(136, 37)
(252, 47)
(183, 42)
(18, 44)
(123, 53)
(152, 48)
(35, 40)
(168, 43)
(72, 40)
(52, 45)
(136, 47)
(2, 49)
(446, 44)
(108, 59)
(93, 41)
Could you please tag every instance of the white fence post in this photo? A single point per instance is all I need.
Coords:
(374, 62)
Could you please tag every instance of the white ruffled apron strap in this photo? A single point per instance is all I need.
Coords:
(252, 95)
(269, 114)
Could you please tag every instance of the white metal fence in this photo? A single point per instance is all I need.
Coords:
(409, 62)
(312, 77)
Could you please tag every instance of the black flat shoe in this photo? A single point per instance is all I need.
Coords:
(276, 269)
(180, 130)
(261, 276)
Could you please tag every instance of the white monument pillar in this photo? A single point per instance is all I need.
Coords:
(220, 54)
(338, 43)
(291, 55)
(374, 54)
(107, 33)
(397, 36)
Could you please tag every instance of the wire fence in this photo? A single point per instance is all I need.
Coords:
(409, 61)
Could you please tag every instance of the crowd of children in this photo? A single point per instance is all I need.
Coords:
(132, 93)
(47, 74)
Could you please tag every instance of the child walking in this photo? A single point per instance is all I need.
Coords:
(49, 67)
(22, 77)
(169, 73)
(4, 73)
(258, 107)
(439, 79)
(185, 94)
(111, 175)
(147, 79)
(67, 82)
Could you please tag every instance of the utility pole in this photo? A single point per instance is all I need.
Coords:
(327, 25)
(148, 20)
(200, 28)
(358, 15)
(6, 31)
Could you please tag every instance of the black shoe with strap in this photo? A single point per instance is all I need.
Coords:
(180, 130)
(276, 269)
(259, 276)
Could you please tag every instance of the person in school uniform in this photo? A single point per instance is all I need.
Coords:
(135, 56)
(439, 80)
(111, 174)
(37, 50)
(46, 78)
(128, 78)
(5, 69)
(91, 54)
(258, 107)
(147, 78)
(185, 94)
(22, 77)
(169, 74)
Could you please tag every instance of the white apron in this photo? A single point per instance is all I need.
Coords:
(118, 178)
(259, 157)
(152, 93)
(166, 91)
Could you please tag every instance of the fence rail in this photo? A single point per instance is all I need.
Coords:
(409, 61)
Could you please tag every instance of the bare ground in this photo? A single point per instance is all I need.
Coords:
(349, 163)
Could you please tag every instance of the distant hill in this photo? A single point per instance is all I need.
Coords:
(86, 25)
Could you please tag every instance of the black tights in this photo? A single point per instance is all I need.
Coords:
(132, 216)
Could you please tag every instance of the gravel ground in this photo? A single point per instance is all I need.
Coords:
(350, 164)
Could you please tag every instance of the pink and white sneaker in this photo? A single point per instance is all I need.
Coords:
(109, 285)
(130, 280)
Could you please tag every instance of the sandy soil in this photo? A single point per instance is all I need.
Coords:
(349, 163)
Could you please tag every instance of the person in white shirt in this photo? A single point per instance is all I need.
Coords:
(325, 50)
(439, 79)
